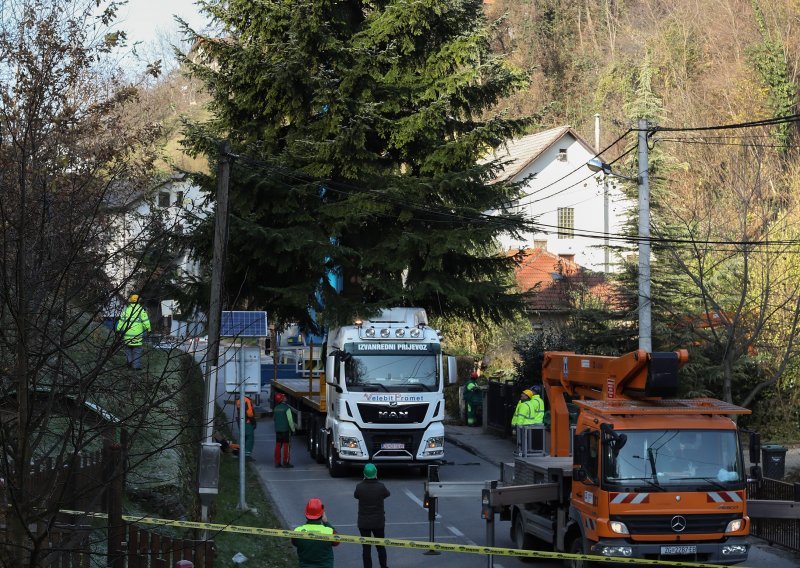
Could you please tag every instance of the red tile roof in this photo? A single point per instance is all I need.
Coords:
(551, 279)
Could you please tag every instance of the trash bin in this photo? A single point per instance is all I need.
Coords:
(773, 460)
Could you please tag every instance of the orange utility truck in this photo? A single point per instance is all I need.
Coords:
(636, 473)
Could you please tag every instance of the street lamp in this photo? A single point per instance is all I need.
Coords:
(597, 165)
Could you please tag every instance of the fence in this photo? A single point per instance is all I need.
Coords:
(146, 549)
(499, 406)
(785, 532)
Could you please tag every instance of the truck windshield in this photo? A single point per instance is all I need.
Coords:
(391, 373)
(676, 457)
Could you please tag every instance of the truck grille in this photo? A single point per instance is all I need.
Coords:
(384, 444)
(662, 524)
(398, 414)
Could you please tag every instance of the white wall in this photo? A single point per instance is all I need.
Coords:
(581, 190)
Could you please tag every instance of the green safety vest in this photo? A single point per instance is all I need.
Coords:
(529, 412)
(133, 322)
(314, 553)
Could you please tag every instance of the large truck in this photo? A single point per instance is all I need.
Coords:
(628, 471)
(372, 391)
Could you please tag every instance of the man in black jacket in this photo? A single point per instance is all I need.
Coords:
(371, 516)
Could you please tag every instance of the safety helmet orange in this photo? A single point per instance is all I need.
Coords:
(314, 509)
(279, 397)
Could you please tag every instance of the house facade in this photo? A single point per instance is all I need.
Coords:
(169, 206)
(563, 199)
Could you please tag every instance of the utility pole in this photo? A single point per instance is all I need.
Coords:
(217, 269)
(208, 471)
(645, 320)
(606, 224)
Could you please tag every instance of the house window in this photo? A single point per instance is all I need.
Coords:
(567, 257)
(163, 199)
(566, 223)
(562, 155)
(179, 198)
(540, 244)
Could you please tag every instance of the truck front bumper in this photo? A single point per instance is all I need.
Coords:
(401, 446)
(730, 551)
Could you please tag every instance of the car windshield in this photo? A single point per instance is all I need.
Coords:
(391, 373)
(676, 457)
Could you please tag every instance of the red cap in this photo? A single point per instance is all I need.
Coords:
(279, 397)
(473, 375)
(314, 509)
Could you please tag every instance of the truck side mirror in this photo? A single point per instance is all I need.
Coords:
(755, 447)
(452, 370)
(755, 473)
(332, 373)
(580, 456)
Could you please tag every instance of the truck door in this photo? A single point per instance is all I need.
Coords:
(586, 487)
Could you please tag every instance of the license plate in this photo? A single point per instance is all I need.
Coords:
(679, 549)
(392, 446)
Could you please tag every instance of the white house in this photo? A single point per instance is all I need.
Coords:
(563, 197)
(174, 203)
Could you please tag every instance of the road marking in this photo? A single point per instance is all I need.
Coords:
(413, 497)
(460, 534)
(417, 500)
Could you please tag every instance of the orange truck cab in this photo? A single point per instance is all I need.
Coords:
(648, 476)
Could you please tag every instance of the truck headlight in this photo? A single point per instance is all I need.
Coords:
(618, 527)
(434, 446)
(735, 525)
(349, 446)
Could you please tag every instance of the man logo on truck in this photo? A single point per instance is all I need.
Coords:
(393, 414)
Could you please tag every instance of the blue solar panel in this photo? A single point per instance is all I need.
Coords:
(243, 324)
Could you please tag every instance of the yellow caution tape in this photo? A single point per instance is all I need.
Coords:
(398, 543)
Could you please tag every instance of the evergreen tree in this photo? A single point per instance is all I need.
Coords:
(360, 128)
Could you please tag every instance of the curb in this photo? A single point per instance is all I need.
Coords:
(472, 450)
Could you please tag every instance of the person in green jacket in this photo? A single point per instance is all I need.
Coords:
(133, 324)
(284, 428)
(473, 400)
(315, 553)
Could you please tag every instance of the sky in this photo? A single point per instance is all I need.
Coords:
(143, 19)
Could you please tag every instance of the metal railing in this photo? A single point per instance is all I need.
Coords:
(782, 531)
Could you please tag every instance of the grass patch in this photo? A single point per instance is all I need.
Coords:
(261, 551)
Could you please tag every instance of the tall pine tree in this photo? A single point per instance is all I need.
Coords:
(360, 128)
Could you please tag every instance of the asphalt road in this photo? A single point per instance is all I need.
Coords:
(459, 520)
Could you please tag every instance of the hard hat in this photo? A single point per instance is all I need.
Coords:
(473, 375)
(134, 298)
(536, 388)
(314, 509)
(528, 393)
(279, 397)
(370, 471)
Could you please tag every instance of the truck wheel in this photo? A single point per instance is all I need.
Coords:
(312, 443)
(334, 468)
(576, 547)
(319, 451)
(522, 540)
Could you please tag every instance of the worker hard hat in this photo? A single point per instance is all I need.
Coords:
(370, 471)
(473, 375)
(279, 397)
(314, 509)
(528, 393)
(536, 388)
(134, 298)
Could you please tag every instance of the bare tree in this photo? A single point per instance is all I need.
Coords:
(741, 304)
(71, 164)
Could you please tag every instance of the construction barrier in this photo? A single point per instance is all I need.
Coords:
(393, 542)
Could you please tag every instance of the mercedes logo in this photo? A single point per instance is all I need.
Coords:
(678, 523)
